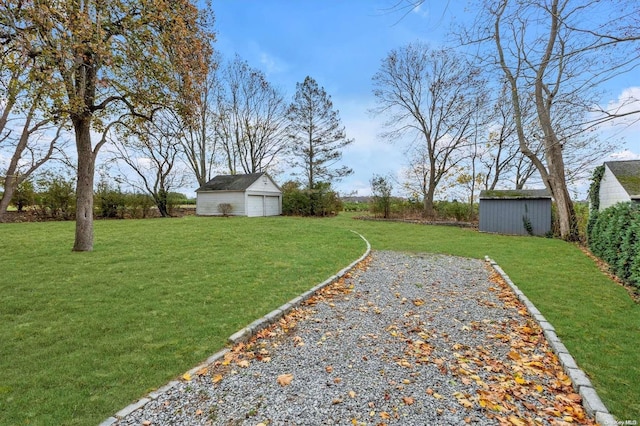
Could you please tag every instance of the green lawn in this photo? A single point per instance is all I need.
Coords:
(85, 334)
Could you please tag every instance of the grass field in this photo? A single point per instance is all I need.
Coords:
(85, 334)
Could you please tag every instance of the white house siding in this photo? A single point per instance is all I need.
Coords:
(264, 185)
(611, 192)
(207, 203)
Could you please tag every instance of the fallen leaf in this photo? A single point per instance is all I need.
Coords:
(516, 421)
(514, 356)
(186, 376)
(385, 415)
(244, 363)
(352, 394)
(328, 369)
(198, 412)
(418, 302)
(285, 379)
(337, 380)
(408, 400)
(429, 391)
(217, 378)
(203, 371)
(147, 423)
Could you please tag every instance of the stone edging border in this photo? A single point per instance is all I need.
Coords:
(591, 402)
(241, 336)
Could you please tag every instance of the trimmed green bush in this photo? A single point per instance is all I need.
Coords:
(319, 201)
(615, 238)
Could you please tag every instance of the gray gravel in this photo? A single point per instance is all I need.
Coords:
(409, 340)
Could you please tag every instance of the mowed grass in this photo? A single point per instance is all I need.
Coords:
(84, 334)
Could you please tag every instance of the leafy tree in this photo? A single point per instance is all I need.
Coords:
(381, 188)
(25, 122)
(105, 59)
(316, 134)
(56, 195)
(24, 195)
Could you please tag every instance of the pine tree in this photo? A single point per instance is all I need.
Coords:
(316, 134)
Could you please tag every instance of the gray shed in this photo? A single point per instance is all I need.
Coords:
(251, 195)
(518, 212)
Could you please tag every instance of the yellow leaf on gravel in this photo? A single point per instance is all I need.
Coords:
(186, 376)
(385, 415)
(516, 421)
(217, 378)
(352, 394)
(285, 379)
(244, 363)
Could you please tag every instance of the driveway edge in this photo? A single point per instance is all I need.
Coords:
(591, 402)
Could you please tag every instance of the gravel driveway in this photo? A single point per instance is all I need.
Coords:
(403, 339)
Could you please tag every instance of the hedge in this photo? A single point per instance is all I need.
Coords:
(615, 238)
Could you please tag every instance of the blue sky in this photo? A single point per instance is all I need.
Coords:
(341, 45)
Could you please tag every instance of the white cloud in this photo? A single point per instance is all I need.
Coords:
(625, 155)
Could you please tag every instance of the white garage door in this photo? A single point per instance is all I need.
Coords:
(263, 205)
(255, 205)
(272, 206)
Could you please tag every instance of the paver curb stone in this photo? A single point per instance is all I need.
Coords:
(242, 335)
(108, 422)
(132, 407)
(591, 402)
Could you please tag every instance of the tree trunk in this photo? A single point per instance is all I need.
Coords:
(9, 188)
(429, 210)
(84, 186)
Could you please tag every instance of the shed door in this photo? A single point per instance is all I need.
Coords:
(271, 206)
(255, 205)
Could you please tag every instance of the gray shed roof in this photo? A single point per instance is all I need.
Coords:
(628, 174)
(231, 182)
(514, 194)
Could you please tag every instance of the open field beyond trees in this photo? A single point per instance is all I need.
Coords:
(85, 334)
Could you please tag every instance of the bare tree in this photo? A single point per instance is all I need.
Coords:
(428, 94)
(199, 138)
(251, 119)
(150, 149)
(544, 49)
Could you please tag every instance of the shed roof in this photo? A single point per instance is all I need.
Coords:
(231, 182)
(514, 194)
(628, 174)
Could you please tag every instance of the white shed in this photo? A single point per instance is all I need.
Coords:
(620, 183)
(253, 195)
